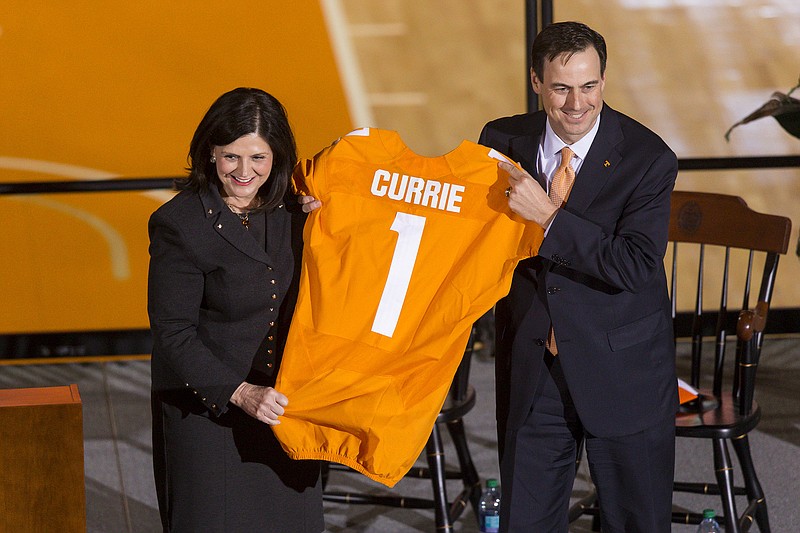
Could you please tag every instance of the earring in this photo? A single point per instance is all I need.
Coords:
(213, 159)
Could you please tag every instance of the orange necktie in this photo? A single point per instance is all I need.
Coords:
(560, 185)
(563, 178)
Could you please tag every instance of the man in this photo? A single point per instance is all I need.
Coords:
(584, 346)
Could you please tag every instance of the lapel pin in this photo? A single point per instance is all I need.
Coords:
(606, 163)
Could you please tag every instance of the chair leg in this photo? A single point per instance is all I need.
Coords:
(436, 466)
(724, 474)
(596, 524)
(324, 473)
(754, 492)
(469, 475)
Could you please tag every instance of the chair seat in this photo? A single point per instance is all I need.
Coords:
(715, 417)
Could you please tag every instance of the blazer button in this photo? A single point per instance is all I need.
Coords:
(271, 337)
(274, 296)
(272, 281)
(539, 342)
(269, 352)
(556, 258)
(552, 290)
(271, 323)
(269, 365)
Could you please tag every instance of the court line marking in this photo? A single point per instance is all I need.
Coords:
(117, 249)
(347, 63)
(408, 99)
(66, 170)
(378, 29)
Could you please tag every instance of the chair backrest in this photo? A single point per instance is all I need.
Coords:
(723, 229)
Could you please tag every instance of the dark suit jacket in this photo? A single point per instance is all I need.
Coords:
(218, 302)
(599, 277)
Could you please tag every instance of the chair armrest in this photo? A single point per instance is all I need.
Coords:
(752, 321)
(749, 329)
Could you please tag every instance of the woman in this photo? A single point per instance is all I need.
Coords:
(224, 264)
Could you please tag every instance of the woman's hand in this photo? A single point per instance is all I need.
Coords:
(262, 403)
(309, 203)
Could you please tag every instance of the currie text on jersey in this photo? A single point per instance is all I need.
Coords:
(418, 191)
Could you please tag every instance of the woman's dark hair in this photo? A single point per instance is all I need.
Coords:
(565, 38)
(237, 113)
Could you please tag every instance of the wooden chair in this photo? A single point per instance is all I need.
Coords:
(720, 232)
(725, 413)
(460, 401)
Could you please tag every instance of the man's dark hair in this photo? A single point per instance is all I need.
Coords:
(565, 38)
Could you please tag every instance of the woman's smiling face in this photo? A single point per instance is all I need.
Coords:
(243, 167)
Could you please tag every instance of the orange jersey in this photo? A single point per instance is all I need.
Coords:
(404, 255)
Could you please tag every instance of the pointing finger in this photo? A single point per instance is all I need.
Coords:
(515, 173)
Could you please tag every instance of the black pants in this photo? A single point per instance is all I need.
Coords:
(633, 474)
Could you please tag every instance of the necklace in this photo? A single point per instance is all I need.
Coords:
(244, 216)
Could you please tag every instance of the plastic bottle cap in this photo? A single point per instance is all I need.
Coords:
(709, 513)
(492, 484)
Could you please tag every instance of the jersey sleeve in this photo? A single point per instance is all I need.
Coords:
(302, 171)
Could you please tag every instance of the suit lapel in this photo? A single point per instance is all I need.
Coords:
(602, 159)
(523, 151)
(525, 148)
(229, 227)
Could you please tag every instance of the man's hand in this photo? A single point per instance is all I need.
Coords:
(262, 403)
(526, 197)
(309, 203)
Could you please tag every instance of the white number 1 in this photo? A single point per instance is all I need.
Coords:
(409, 235)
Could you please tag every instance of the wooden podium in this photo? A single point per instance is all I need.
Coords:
(41, 460)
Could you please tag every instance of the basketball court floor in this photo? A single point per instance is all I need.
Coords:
(688, 69)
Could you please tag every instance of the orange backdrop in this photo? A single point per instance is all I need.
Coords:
(94, 90)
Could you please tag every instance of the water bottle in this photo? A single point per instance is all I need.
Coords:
(709, 523)
(489, 513)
